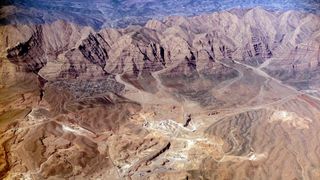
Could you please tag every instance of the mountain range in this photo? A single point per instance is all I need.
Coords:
(232, 94)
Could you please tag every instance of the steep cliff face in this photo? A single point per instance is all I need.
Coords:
(93, 49)
(29, 54)
(251, 36)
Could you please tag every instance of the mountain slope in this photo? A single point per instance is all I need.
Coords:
(232, 94)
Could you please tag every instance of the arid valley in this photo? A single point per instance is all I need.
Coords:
(232, 94)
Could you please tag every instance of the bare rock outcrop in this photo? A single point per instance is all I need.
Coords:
(76, 103)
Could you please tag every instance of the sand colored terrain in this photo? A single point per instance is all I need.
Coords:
(228, 95)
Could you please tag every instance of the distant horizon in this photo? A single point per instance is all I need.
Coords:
(111, 13)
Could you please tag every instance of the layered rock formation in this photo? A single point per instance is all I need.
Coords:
(217, 96)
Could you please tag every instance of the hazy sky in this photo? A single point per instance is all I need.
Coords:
(98, 13)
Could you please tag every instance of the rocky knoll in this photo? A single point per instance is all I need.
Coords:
(216, 96)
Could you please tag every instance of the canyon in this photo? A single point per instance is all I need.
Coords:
(232, 94)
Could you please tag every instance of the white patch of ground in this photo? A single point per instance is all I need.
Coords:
(290, 118)
(169, 127)
(77, 130)
(251, 157)
(189, 146)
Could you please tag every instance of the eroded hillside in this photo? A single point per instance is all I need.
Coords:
(228, 95)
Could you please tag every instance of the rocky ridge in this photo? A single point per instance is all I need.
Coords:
(184, 97)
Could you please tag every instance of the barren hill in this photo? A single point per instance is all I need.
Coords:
(228, 95)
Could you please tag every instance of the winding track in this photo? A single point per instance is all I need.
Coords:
(264, 74)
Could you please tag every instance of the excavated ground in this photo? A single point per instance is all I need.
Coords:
(248, 126)
(228, 95)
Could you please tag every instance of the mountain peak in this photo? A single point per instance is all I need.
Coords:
(205, 97)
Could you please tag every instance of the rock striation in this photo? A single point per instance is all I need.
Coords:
(227, 95)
